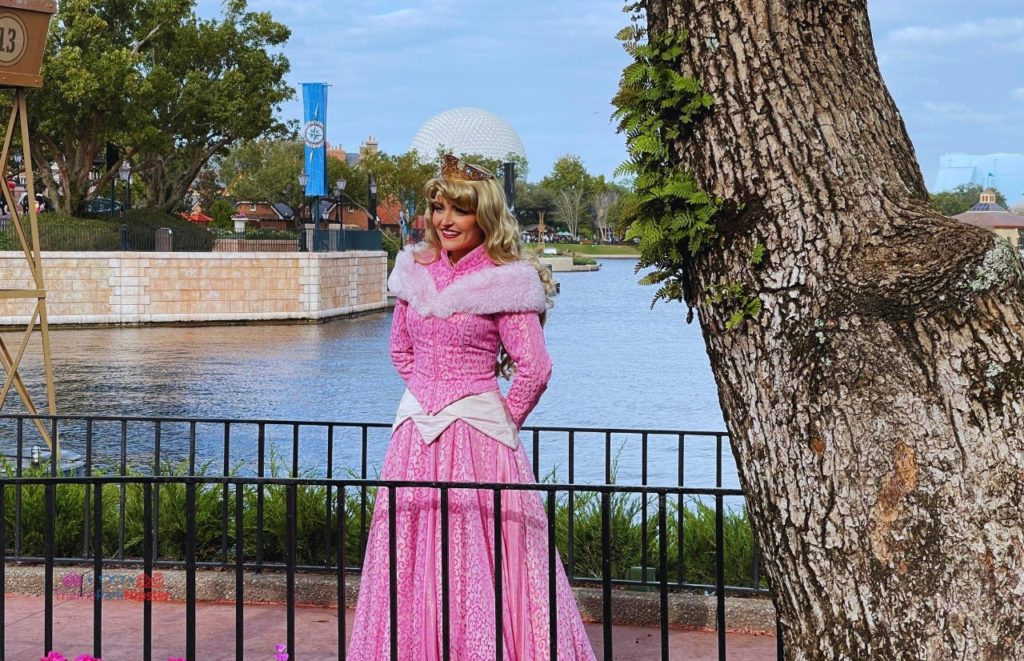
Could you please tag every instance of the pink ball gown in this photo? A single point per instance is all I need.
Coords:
(448, 323)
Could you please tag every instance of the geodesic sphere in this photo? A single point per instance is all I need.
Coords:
(467, 131)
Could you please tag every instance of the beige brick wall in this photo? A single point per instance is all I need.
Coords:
(140, 288)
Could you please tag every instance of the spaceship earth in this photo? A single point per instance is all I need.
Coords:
(467, 131)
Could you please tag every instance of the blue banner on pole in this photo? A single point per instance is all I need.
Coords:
(314, 134)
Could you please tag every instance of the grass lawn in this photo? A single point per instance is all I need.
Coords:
(580, 249)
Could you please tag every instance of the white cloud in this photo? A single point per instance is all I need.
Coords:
(990, 31)
(1007, 121)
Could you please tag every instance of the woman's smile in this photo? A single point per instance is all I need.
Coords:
(456, 228)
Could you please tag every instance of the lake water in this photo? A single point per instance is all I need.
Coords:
(618, 364)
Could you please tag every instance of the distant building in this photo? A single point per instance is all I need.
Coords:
(989, 214)
(1003, 172)
(264, 215)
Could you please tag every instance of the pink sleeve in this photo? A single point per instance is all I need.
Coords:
(523, 339)
(401, 342)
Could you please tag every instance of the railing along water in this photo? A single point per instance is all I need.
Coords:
(296, 479)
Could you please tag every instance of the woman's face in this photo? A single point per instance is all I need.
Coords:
(456, 228)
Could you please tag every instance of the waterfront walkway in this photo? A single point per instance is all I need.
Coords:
(316, 633)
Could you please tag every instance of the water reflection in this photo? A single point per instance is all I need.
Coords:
(618, 364)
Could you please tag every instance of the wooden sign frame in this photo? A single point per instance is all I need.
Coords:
(24, 25)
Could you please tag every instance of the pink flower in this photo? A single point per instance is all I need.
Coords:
(282, 652)
(52, 656)
(86, 657)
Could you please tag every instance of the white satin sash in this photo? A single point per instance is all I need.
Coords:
(484, 412)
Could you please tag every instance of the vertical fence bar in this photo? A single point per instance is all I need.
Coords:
(157, 434)
(48, 542)
(499, 633)
(756, 578)
(192, 448)
(571, 532)
(644, 555)
(293, 512)
(680, 512)
(147, 571)
(362, 493)
(295, 455)
(718, 461)
(446, 634)
(261, 446)
(552, 583)
(190, 569)
(225, 495)
(240, 572)
(536, 454)
(392, 573)
(20, 449)
(54, 467)
(779, 652)
(606, 574)
(122, 487)
(342, 604)
(97, 571)
(608, 457)
(720, 574)
(328, 502)
(87, 500)
(663, 573)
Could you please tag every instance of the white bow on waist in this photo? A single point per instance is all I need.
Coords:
(484, 412)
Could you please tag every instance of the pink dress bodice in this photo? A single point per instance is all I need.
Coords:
(449, 321)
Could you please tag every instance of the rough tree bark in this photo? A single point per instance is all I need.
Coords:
(875, 404)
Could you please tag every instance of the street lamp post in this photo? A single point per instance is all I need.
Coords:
(339, 190)
(303, 180)
(124, 173)
(372, 224)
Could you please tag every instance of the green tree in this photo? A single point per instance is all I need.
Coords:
(400, 177)
(571, 187)
(170, 89)
(960, 199)
(606, 197)
(207, 188)
(263, 171)
(221, 211)
(533, 202)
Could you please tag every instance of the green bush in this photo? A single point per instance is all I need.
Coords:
(316, 533)
(58, 231)
(187, 235)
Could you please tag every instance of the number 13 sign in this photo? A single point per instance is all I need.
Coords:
(12, 39)
(23, 28)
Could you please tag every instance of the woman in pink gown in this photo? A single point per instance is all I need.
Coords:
(468, 309)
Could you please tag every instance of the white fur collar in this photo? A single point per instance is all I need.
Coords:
(514, 287)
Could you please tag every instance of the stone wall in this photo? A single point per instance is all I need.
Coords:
(140, 287)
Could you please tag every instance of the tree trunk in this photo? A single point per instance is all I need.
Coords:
(876, 404)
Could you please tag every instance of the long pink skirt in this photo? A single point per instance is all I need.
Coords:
(462, 453)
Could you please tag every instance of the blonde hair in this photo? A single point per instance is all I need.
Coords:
(487, 200)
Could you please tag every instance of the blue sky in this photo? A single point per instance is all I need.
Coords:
(550, 68)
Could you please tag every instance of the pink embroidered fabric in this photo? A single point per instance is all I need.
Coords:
(443, 359)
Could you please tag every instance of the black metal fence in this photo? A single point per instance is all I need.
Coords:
(128, 237)
(331, 240)
(295, 497)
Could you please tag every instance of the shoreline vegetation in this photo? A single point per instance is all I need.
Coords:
(317, 545)
(587, 249)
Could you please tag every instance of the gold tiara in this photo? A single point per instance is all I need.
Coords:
(452, 169)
